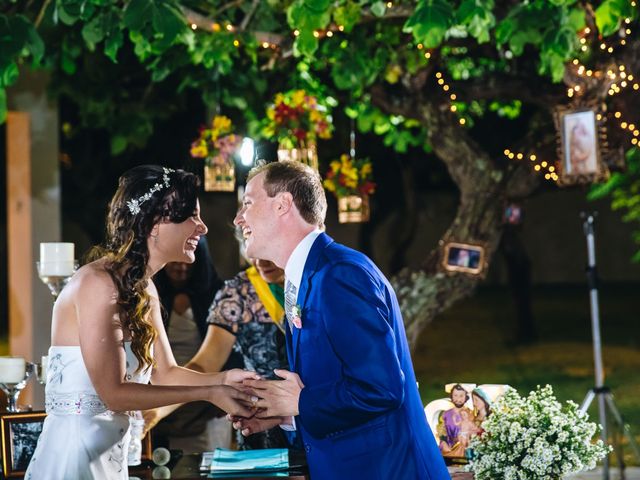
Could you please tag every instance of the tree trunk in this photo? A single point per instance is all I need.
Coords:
(425, 291)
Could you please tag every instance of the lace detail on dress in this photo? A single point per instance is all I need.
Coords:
(74, 404)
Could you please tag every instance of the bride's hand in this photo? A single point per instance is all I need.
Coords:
(236, 376)
(233, 401)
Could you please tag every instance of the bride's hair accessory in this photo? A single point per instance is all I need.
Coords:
(134, 205)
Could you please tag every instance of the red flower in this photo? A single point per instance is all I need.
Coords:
(368, 188)
(300, 134)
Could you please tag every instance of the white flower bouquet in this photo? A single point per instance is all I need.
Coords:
(534, 438)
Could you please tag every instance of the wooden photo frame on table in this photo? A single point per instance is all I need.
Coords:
(459, 257)
(20, 432)
(581, 145)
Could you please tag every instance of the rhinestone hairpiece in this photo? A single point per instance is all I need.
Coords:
(134, 205)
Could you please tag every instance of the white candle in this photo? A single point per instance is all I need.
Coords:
(12, 369)
(56, 259)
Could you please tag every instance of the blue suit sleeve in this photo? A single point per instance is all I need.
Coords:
(357, 319)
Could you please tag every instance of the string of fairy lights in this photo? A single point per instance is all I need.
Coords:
(620, 76)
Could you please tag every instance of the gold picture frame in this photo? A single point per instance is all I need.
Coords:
(581, 145)
(461, 257)
(20, 432)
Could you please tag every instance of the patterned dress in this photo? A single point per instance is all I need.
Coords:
(259, 340)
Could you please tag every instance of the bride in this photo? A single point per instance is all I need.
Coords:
(108, 340)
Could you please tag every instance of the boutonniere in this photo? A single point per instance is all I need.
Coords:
(296, 316)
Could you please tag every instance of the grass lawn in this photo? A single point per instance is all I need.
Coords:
(473, 343)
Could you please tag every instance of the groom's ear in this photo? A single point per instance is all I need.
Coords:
(284, 203)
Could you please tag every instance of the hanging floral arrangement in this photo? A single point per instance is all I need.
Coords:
(217, 145)
(351, 181)
(296, 120)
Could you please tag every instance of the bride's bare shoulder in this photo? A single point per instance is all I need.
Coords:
(92, 278)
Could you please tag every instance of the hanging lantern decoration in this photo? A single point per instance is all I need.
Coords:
(350, 181)
(303, 153)
(353, 208)
(218, 146)
(296, 120)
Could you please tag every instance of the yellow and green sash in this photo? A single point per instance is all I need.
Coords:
(271, 295)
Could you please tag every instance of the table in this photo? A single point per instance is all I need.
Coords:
(187, 467)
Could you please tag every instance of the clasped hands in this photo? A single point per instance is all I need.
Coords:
(277, 401)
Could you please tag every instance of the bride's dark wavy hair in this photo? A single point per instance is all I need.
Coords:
(125, 249)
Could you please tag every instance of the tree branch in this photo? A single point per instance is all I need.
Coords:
(249, 15)
(40, 16)
(207, 24)
(227, 6)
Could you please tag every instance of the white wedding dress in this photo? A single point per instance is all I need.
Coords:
(81, 439)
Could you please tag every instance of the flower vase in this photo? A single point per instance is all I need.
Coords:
(353, 209)
(304, 153)
(219, 178)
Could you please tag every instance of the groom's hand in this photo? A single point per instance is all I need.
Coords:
(278, 398)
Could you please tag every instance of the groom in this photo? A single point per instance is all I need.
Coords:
(353, 396)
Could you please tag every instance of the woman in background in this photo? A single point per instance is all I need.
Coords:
(247, 316)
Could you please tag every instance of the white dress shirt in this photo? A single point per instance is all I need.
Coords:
(295, 265)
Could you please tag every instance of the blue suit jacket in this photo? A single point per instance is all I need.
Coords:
(360, 411)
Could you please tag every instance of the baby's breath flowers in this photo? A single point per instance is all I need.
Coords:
(535, 438)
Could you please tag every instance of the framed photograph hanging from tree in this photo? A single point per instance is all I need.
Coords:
(581, 141)
(466, 258)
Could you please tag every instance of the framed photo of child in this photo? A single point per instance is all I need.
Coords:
(580, 146)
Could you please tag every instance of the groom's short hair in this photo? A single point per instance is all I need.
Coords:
(301, 181)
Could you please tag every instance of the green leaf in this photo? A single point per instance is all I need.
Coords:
(137, 14)
(562, 3)
(430, 21)
(306, 44)
(477, 17)
(577, 19)
(9, 74)
(112, 45)
(317, 5)
(3, 105)
(378, 9)
(94, 31)
(553, 64)
(167, 22)
(347, 15)
(610, 14)
(69, 11)
(605, 189)
(306, 17)
(505, 30)
(118, 144)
